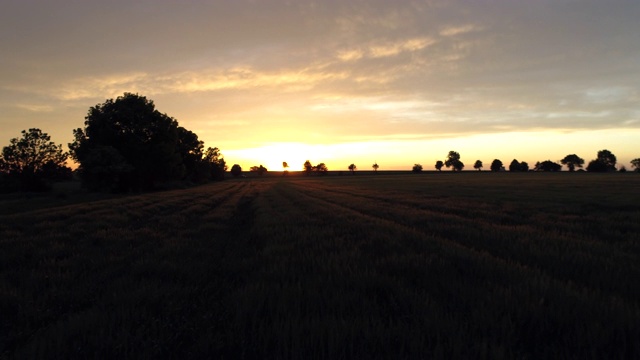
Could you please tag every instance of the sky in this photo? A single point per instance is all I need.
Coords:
(339, 82)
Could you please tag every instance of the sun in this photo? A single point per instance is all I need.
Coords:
(273, 155)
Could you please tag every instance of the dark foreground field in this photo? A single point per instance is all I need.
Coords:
(471, 265)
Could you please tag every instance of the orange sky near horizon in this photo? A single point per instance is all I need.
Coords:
(338, 82)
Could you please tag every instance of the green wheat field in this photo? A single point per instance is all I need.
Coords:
(400, 266)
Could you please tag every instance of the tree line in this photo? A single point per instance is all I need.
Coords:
(605, 161)
(128, 145)
(125, 145)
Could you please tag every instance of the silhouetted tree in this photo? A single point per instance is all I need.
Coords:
(307, 167)
(547, 165)
(636, 164)
(453, 161)
(605, 161)
(285, 166)
(622, 169)
(375, 166)
(261, 170)
(321, 169)
(572, 161)
(524, 166)
(597, 166)
(514, 166)
(352, 168)
(236, 170)
(149, 145)
(34, 160)
(606, 157)
(417, 168)
(214, 162)
(439, 165)
(478, 165)
(496, 165)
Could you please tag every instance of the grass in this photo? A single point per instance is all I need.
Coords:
(437, 265)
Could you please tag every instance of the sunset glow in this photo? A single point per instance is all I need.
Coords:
(395, 83)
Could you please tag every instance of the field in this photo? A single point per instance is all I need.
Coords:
(438, 265)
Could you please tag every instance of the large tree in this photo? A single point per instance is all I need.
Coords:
(136, 144)
(453, 161)
(636, 164)
(190, 149)
(572, 161)
(34, 159)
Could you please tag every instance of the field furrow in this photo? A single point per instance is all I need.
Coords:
(560, 254)
(328, 267)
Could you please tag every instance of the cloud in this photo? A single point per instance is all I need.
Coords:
(375, 69)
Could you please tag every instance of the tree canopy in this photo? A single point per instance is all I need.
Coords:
(478, 165)
(547, 165)
(261, 170)
(439, 165)
(236, 170)
(34, 159)
(636, 164)
(352, 168)
(496, 165)
(453, 161)
(572, 161)
(417, 168)
(136, 147)
(307, 167)
(375, 166)
(604, 162)
(517, 166)
(321, 169)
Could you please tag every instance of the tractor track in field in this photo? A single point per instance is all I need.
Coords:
(472, 252)
(159, 223)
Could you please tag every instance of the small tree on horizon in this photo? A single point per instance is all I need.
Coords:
(439, 165)
(496, 165)
(514, 166)
(417, 168)
(636, 164)
(33, 159)
(352, 168)
(261, 170)
(375, 167)
(548, 166)
(307, 167)
(478, 165)
(605, 162)
(453, 161)
(321, 169)
(572, 161)
(236, 170)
